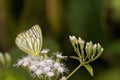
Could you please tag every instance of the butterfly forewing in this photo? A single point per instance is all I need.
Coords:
(30, 41)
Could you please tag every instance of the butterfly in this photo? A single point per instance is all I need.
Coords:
(30, 41)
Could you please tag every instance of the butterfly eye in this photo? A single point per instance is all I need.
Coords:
(30, 41)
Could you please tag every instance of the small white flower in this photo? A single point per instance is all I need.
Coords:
(20, 62)
(38, 72)
(61, 69)
(50, 74)
(33, 68)
(63, 78)
(35, 62)
(27, 59)
(44, 51)
(56, 65)
(47, 69)
(42, 63)
(25, 64)
(49, 62)
(59, 55)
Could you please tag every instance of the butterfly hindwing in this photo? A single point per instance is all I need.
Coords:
(30, 41)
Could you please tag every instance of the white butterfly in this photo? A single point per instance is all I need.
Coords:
(30, 41)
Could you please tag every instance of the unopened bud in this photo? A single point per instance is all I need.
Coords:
(2, 60)
(7, 58)
(88, 47)
(99, 51)
(94, 48)
(73, 40)
(81, 43)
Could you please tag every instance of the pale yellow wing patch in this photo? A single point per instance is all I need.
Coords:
(30, 41)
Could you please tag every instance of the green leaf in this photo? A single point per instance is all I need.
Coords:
(89, 69)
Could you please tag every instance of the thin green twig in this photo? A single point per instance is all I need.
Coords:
(73, 71)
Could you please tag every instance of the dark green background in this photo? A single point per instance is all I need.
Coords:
(95, 20)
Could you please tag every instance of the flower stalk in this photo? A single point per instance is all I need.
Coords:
(87, 52)
(73, 72)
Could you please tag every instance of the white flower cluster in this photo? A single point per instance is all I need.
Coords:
(40, 66)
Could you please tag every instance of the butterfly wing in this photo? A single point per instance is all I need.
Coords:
(30, 41)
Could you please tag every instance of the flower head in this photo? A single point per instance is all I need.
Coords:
(44, 51)
(39, 66)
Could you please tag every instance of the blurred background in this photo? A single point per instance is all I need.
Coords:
(95, 20)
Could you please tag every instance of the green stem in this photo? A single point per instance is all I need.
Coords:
(44, 77)
(83, 56)
(78, 52)
(57, 76)
(73, 71)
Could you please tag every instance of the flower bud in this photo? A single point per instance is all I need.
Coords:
(73, 40)
(94, 50)
(81, 43)
(2, 60)
(99, 51)
(99, 47)
(88, 48)
(7, 58)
